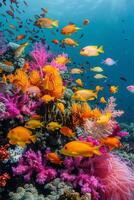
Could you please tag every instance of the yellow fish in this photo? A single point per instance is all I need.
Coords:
(33, 124)
(20, 49)
(80, 148)
(20, 136)
(91, 51)
(104, 119)
(79, 82)
(76, 71)
(113, 89)
(103, 100)
(70, 42)
(84, 95)
(52, 126)
(47, 98)
(61, 107)
(46, 23)
(96, 69)
(100, 76)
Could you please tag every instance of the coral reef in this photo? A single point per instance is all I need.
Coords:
(58, 144)
(28, 192)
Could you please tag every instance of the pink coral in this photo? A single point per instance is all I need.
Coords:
(116, 177)
(111, 108)
(40, 56)
(16, 105)
(32, 163)
(78, 172)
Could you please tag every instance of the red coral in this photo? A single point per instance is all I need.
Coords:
(3, 152)
(3, 179)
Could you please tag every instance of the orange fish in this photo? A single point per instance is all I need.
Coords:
(79, 82)
(47, 98)
(67, 131)
(103, 100)
(62, 60)
(113, 89)
(25, 67)
(61, 107)
(99, 88)
(69, 29)
(80, 148)
(55, 41)
(111, 142)
(20, 37)
(36, 116)
(20, 136)
(54, 158)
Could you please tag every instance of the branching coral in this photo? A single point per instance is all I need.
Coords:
(40, 56)
(32, 163)
(80, 176)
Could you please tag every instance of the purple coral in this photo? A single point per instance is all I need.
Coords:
(78, 171)
(32, 163)
(16, 105)
(40, 56)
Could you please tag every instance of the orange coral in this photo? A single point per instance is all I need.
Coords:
(35, 78)
(52, 83)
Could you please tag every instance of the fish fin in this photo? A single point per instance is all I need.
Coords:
(55, 23)
(76, 44)
(101, 50)
(77, 28)
(22, 144)
(33, 138)
(96, 151)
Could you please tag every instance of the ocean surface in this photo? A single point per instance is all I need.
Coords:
(111, 25)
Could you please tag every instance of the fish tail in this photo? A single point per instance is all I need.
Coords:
(101, 50)
(91, 69)
(77, 28)
(33, 138)
(96, 151)
(56, 23)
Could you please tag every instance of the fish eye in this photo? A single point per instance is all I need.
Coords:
(82, 49)
(66, 148)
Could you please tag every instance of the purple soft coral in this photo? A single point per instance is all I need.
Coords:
(16, 105)
(40, 56)
(32, 163)
(78, 172)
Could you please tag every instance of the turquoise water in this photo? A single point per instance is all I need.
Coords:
(111, 26)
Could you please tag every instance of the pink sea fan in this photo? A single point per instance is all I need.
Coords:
(40, 56)
(97, 130)
(116, 176)
(111, 108)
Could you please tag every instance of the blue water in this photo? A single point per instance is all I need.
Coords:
(111, 26)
